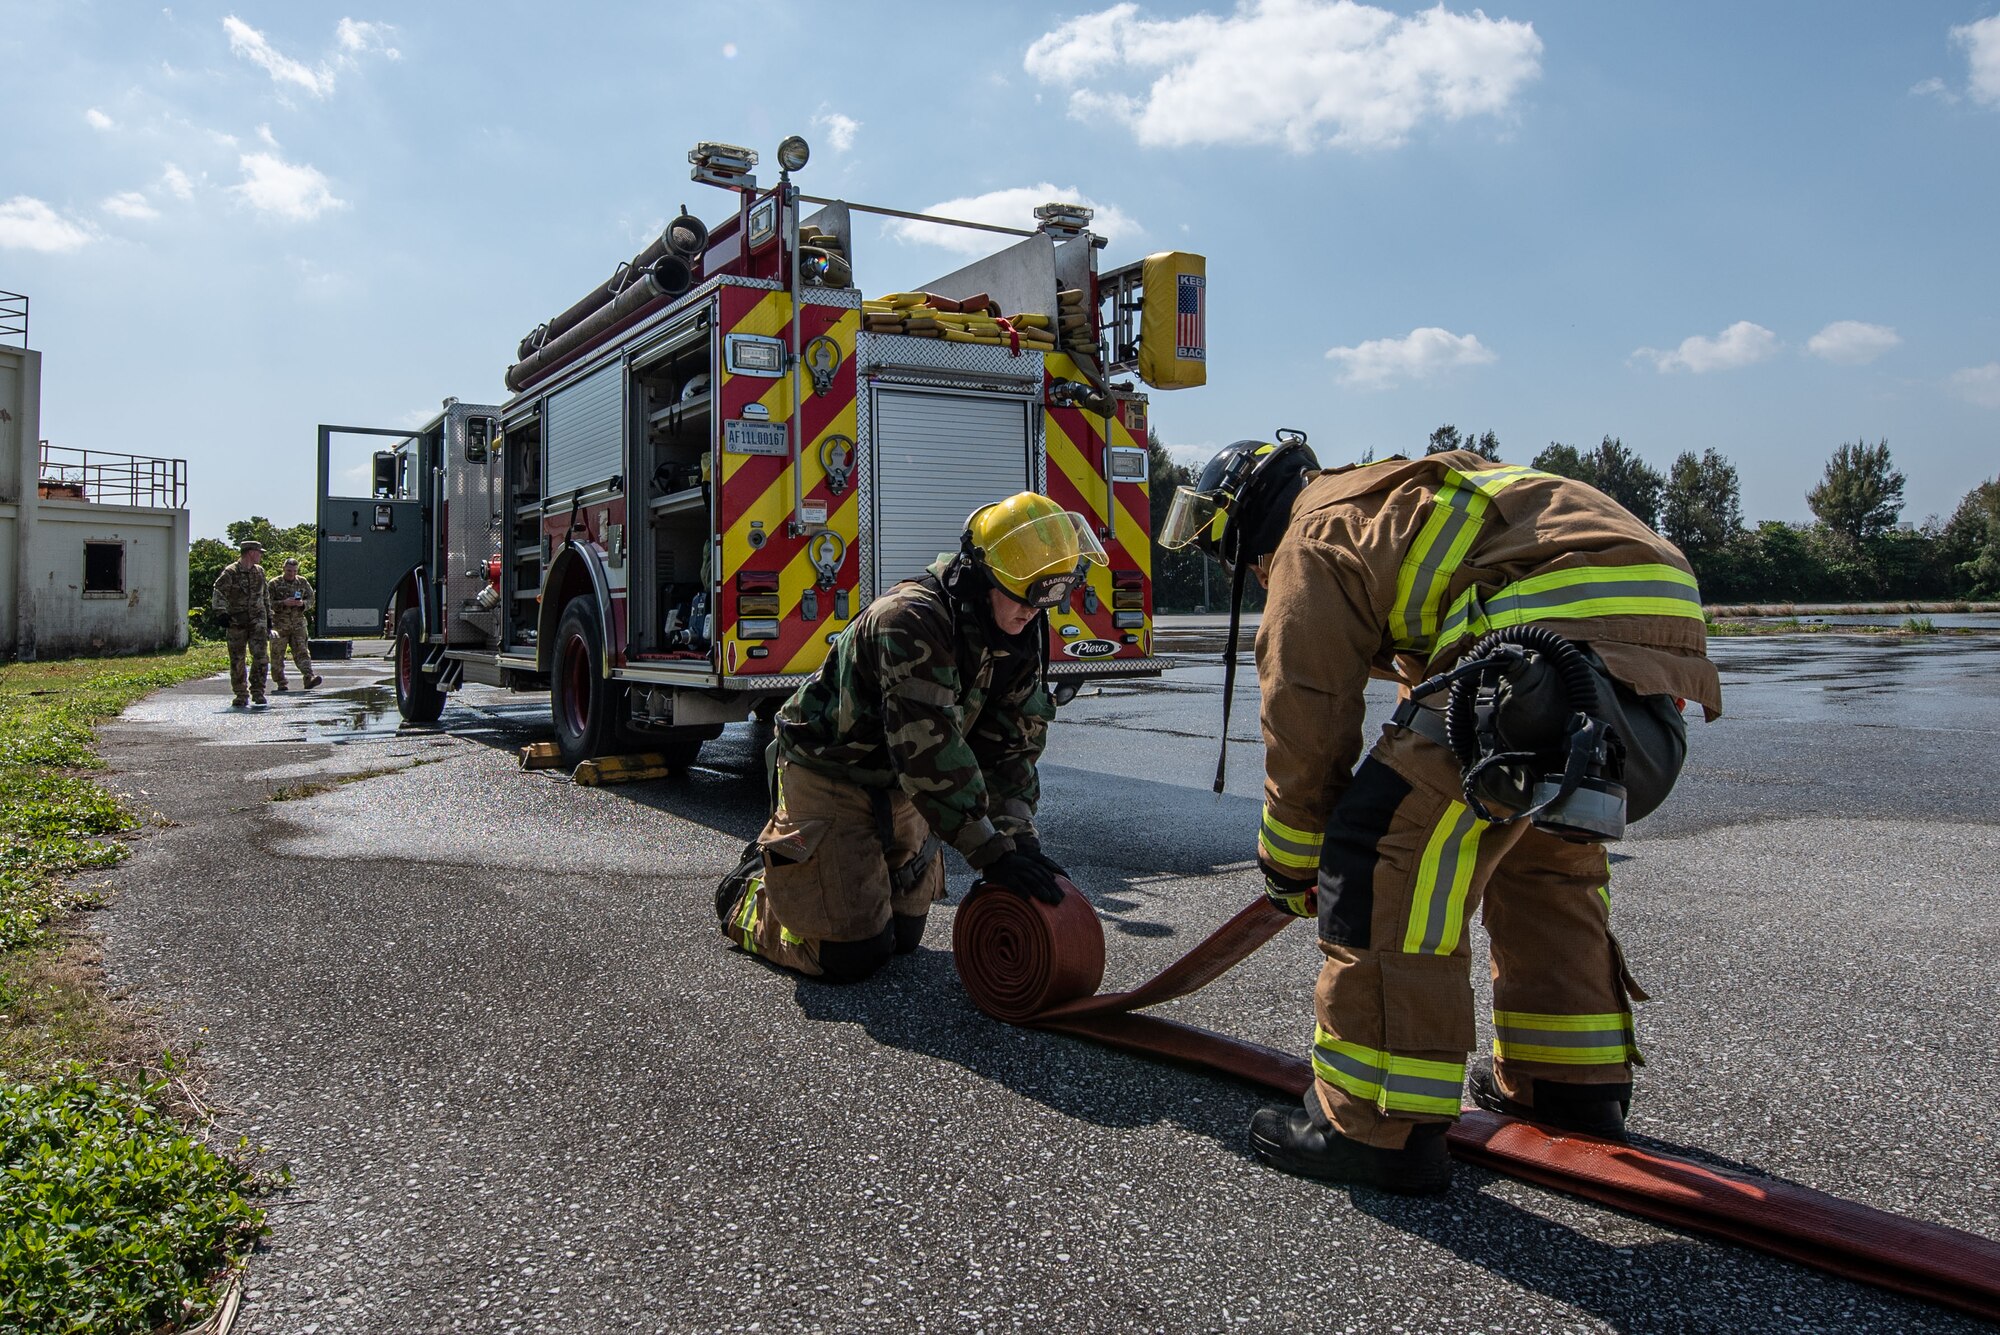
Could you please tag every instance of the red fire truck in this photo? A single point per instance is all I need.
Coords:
(716, 458)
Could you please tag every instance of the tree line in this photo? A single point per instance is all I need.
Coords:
(208, 556)
(1858, 546)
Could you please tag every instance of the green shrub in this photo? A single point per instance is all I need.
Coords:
(112, 1220)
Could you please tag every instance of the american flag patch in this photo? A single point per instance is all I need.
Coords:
(1190, 318)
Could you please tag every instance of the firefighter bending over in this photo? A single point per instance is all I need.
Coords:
(1593, 627)
(922, 728)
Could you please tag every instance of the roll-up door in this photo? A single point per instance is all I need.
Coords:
(586, 436)
(939, 457)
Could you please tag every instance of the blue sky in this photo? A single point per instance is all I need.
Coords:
(1765, 228)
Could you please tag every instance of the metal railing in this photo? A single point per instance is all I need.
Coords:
(14, 316)
(111, 479)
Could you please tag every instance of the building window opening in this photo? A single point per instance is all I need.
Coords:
(104, 567)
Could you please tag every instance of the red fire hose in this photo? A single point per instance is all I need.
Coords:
(1038, 965)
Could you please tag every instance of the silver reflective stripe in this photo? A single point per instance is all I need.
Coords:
(1563, 1038)
(1428, 581)
(1506, 602)
(1437, 921)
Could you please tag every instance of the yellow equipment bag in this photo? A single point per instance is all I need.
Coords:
(1173, 324)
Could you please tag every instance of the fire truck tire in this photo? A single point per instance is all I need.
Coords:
(418, 698)
(584, 703)
(681, 746)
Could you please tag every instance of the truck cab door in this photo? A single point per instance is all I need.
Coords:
(374, 524)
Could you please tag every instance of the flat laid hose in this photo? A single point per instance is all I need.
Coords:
(1040, 965)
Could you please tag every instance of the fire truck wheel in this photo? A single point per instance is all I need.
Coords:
(418, 698)
(582, 700)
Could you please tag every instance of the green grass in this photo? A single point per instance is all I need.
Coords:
(113, 1217)
(53, 820)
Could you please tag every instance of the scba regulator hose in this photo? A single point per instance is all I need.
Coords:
(1040, 965)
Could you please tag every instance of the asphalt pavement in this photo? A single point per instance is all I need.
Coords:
(485, 1016)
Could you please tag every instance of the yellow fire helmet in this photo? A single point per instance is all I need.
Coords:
(1033, 548)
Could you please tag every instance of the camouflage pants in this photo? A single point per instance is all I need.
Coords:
(290, 635)
(827, 878)
(254, 640)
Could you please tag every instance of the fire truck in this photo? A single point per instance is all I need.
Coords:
(709, 465)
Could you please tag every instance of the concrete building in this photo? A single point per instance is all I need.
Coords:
(93, 545)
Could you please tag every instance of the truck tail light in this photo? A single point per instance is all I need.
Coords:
(757, 581)
(1128, 591)
(757, 605)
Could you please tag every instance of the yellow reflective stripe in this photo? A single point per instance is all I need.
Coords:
(1391, 1083)
(1288, 847)
(1441, 546)
(1444, 877)
(1576, 594)
(1604, 893)
(1427, 568)
(1565, 1040)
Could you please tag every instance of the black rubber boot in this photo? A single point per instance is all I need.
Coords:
(1301, 1141)
(909, 931)
(1593, 1110)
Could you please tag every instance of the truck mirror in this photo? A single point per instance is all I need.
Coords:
(385, 473)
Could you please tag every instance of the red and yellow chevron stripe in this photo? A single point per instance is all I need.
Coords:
(1077, 441)
(755, 498)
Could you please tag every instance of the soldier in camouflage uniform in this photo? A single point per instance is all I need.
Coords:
(291, 599)
(923, 727)
(243, 600)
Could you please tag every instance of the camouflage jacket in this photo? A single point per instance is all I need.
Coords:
(914, 695)
(241, 594)
(281, 589)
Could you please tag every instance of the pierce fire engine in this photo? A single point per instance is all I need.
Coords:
(713, 461)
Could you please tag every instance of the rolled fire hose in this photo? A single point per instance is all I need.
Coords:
(1040, 965)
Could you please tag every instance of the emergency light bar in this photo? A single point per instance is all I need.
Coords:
(726, 165)
(1064, 221)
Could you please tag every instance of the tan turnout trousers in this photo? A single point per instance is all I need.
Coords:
(1404, 868)
(827, 876)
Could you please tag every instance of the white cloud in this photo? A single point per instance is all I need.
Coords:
(176, 182)
(1852, 342)
(129, 204)
(1739, 345)
(1978, 384)
(729, 50)
(1302, 73)
(98, 120)
(252, 45)
(357, 37)
(840, 130)
(1981, 41)
(29, 224)
(1423, 353)
(1005, 208)
(1932, 87)
(288, 190)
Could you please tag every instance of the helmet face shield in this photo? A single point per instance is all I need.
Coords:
(1192, 515)
(1035, 551)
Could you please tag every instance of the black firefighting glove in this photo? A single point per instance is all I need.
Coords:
(1029, 875)
(1296, 895)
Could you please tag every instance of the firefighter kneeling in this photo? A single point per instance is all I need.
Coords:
(1399, 569)
(922, 728)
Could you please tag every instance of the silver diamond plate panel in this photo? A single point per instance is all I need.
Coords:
(472, 534)
(849, 298)
(864, 487)
(953, 362)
